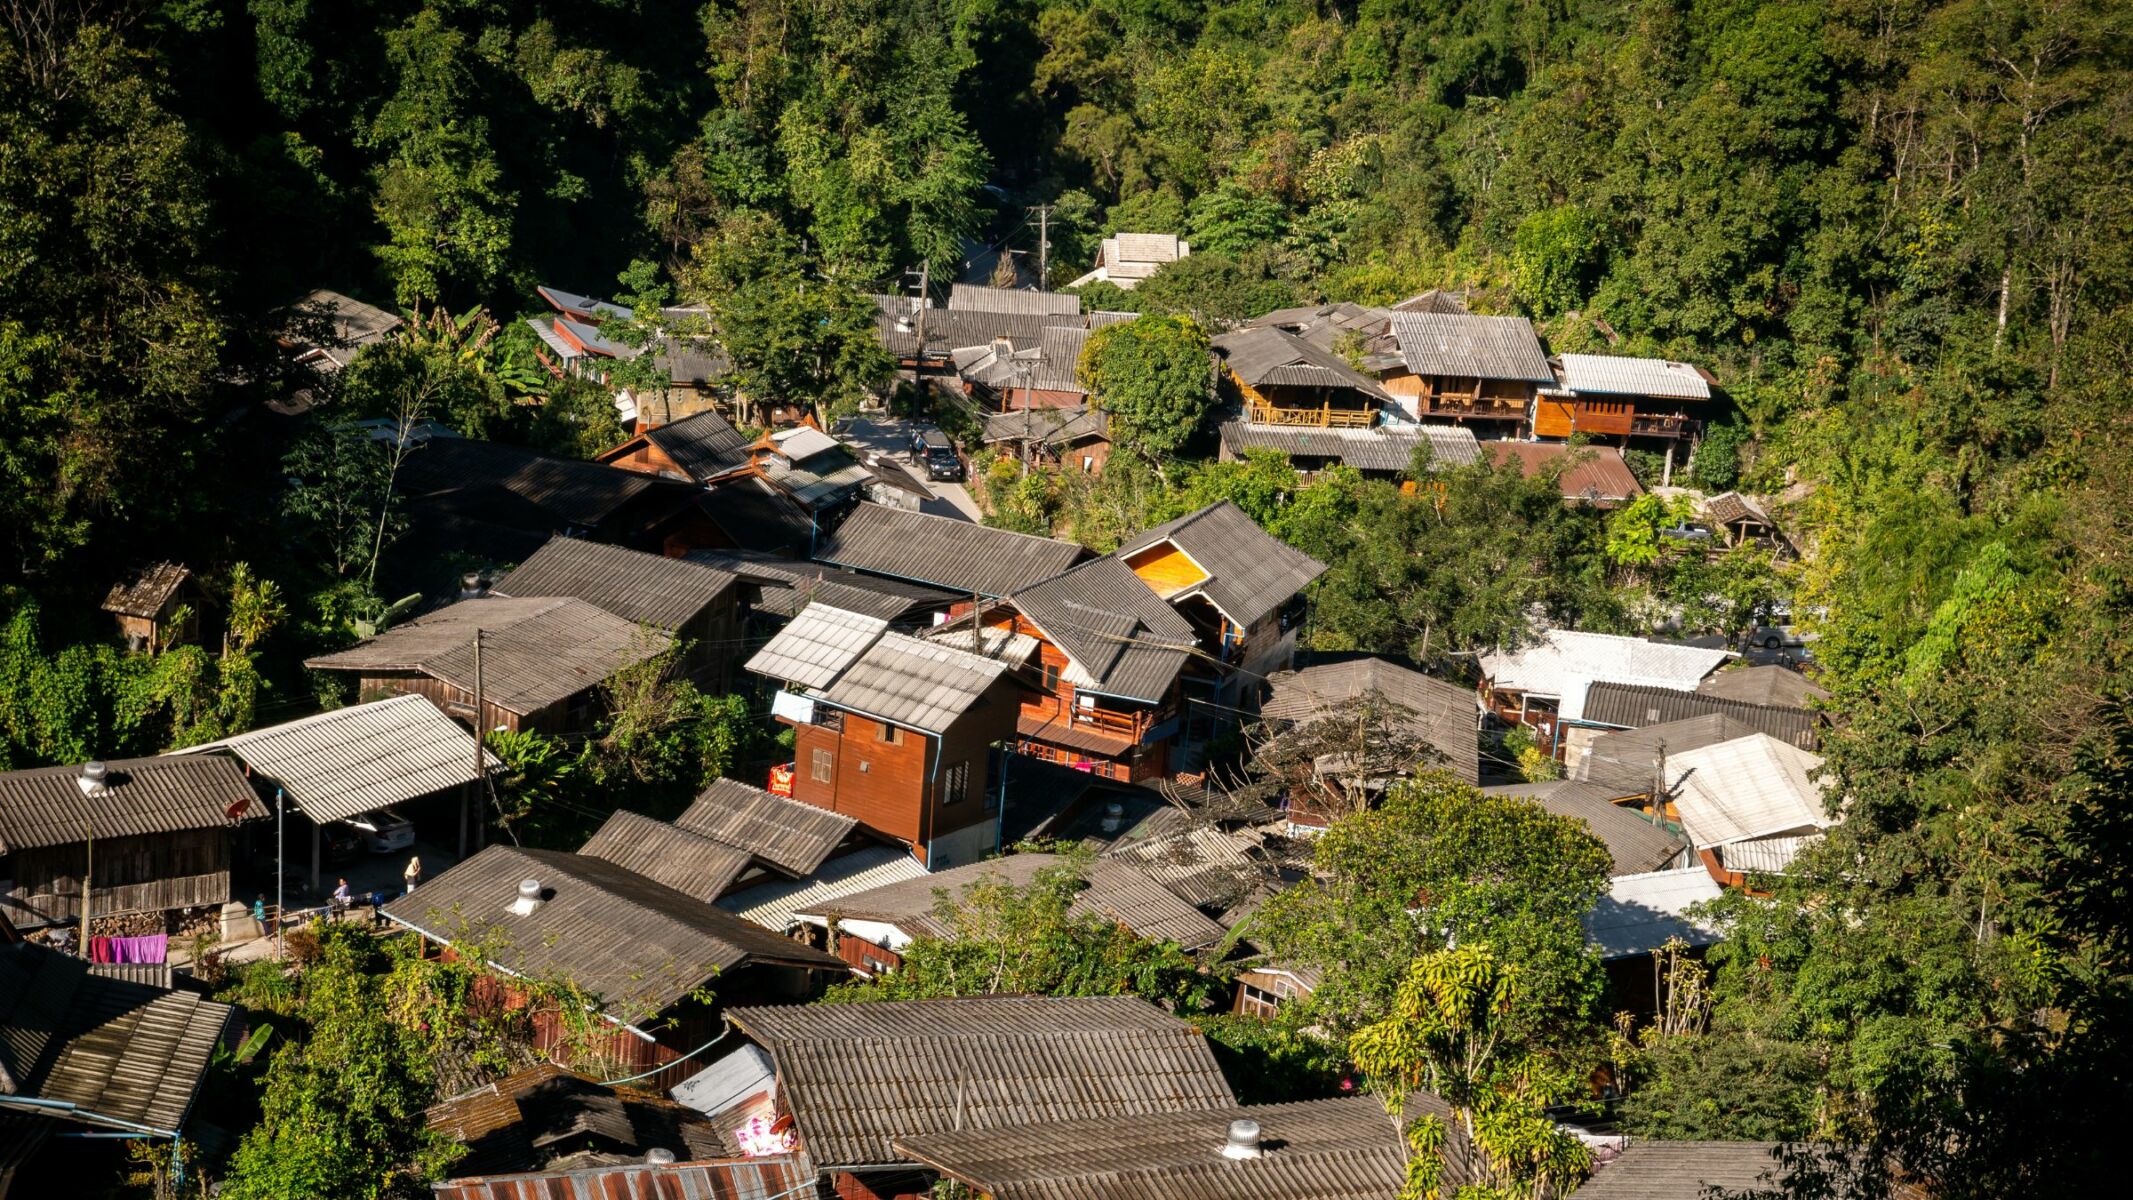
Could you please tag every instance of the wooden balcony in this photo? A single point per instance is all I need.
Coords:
(1325, 416)
(1485, 408)
(1132, 726)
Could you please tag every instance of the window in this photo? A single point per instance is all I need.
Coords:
(1088, 463)
(888, 735)
(821, 766)
(955, 783)
(1256, 1002)
(1051, 677)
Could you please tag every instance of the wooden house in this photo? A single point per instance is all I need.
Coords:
(897, 731)
(155, 835)
(734, 837)
(984, 1062)
(1440, 716)
(1125, 259)
(1457, 367)
(158, 609)
(870, 929)
(1379, 452)
(1745, 522)
(700, 449)
(1004, 378)
(694, 366)
(1075, 439)
(1620, 398)
(548, 1117)
(942, 552)
(1281, 380)
(1545, 685)
(638, 950)
(1640, 914)
(1111, 654)
(542, 660)
(698, 605)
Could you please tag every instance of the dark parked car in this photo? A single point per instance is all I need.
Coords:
(340, 843)
(942, 462)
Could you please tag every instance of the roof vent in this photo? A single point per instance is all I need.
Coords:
(92, 780)
(1243, 1140)
(1114, 817)
(473, 586)
(659, 1156)
(529, 897)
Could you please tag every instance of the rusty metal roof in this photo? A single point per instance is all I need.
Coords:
(527, 1120)
(856, 1077)
(44, 806)
(1597, 475)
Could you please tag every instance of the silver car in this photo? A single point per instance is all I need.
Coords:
(384, 831)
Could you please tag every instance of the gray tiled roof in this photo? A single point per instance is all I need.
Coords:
(44, 806)
(1342, 1149)
(1260, 355)
(788, 585)
(1635, 843)
(943, 551)
(947, 329)
(817, 646)
(775, 904)
(648, 589)
(636, 944)
(1658, 1170)
(705, 446)
(1625, 761)
(351, 760)
(1254, 573)
(1632, 706)
(1465, 346)
(690, 863)
(858, 1076)
(112, 1046)
(1117, 889)
(578, 493)
(1059, 357)
(535, 651)
(1776, 687)
(1379, 448)
(971, 296)
(1052, 426)
(780, 832)
(1121, 638)
(757, 516)
(921, 684)
(1642, 912)
(1444, 715)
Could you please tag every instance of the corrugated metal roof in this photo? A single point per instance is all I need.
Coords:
(1461, 345)
(789, 585)
(1728, 508)
(648, 589)
(1564, 663)
(779, 831)
(857, 1076)
(1119, 637)
(924, 685)
(733, 1179)
(774, 905)
(1597, 475)
(943, 551)
(1116, 888)
(526, 1120)
(1059, 358)
(572, 491)
(1268, 356)
(351, 760)
(1771, 687)
(149, 591)
(688, 862)
(1770, 856)
(1660, 1170)
(45, 806)
(817, 646)
(1627, 762)
(970, 296)
(1204, 866)
(1443, 715)
(1640, 706)
(705, 445)
(112, 1046)
(1750, 787)
(1341, 1149)
(757, 516)
(802, 442)
(1608, 375)
(1379, 448)
(1253, 573)
(1635, 844)
(1641, 912)
(636, 944)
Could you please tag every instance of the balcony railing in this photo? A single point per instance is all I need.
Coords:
(1325, 416)
(1469, 406)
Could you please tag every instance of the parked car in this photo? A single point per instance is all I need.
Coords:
(384, 831)
(1776, 637)
(339, 843)
(942, 462)
(1687, 533)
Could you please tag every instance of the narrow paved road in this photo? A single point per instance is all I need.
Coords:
(892, 436)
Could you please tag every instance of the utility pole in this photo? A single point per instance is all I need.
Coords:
(480, 722)
(1044, 247)
(281, 869)
(93, 788)
(925, 281)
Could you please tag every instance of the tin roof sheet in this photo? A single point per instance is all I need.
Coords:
(352, 760)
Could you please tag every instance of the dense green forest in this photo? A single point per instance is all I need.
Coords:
(1900, 232)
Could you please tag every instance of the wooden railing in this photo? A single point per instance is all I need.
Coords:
(1470, 406)
(1325, 416)
(1118, 724)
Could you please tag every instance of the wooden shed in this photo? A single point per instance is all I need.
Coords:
(159, 608)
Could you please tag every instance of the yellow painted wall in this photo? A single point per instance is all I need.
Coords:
(1166, 569)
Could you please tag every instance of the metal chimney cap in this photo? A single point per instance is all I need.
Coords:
(92, 777)
(659, 1156)
(528, 898)
(1243, 1139)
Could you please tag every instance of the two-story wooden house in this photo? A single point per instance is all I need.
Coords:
(896, 731)
(1649, 399)
(1480, 371)
(699, 605)
(1280, 379)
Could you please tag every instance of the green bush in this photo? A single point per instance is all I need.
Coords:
(1717, 463)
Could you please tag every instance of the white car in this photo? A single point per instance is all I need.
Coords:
(384, 831)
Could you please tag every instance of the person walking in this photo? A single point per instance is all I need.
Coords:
(413, 874)
(259, 914)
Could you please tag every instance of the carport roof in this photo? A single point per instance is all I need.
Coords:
(352, 760)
